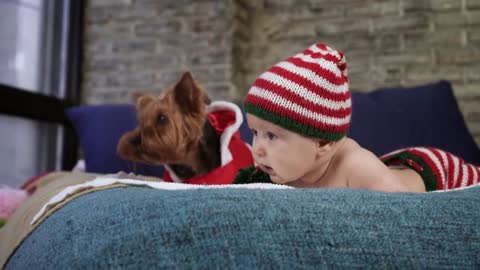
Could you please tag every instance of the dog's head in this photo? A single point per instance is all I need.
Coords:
(169, 125)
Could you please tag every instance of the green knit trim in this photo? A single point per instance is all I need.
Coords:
(429, 178)
(250, 175)
(293, 125)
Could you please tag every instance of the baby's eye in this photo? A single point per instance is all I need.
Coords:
(271, 136)
(254, 132)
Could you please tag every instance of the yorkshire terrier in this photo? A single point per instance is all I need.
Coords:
(173, 130)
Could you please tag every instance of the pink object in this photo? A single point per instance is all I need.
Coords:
(10, 199)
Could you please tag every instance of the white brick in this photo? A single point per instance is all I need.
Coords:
(103, 3)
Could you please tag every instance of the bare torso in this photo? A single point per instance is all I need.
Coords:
(410, 178)
(352, 166)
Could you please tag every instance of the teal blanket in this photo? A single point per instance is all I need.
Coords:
(143, 228)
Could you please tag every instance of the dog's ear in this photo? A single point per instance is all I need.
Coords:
(136, 95)
(128, 144)
(206, 99)
(188, 94)
(141, 99)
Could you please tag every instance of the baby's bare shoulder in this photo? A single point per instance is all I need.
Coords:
(363, 169)
(358, 160)
(353, 154)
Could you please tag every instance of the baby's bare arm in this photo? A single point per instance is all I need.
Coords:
(366, 171)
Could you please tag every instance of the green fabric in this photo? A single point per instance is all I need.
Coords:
(2, 222)
(293, 125)
(251, 175)
(429, 178)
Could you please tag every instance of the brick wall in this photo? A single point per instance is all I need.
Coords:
(144, 44)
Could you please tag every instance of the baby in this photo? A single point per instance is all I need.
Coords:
(299, 112)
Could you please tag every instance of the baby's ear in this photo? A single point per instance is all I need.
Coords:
(324, 146)
(189, 94)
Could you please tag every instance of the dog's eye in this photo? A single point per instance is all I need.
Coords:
(161, 119)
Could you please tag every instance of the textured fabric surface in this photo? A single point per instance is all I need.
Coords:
(439, 170)
(307, 93)
(46, 187)
(141, 228)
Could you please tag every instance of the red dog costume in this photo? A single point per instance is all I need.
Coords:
(226, 118)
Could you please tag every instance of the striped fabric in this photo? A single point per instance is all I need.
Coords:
(439, 169)
(307, 93)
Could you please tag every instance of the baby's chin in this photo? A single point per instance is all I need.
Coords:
(278, 180)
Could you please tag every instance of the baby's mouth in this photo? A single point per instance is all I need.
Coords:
(266, 169)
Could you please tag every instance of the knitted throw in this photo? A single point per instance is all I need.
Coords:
(440, 170)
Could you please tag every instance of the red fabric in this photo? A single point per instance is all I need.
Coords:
(450, 173)
(449, 170)
(470, 172)
(318, 108)
(242, 156)
(220, 120)
(279, 110)
(319, 101)
(27, 186)
(437, 154)
(430, 164)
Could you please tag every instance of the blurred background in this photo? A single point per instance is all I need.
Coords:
(99, 51)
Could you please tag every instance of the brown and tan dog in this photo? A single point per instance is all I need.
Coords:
(173, 130)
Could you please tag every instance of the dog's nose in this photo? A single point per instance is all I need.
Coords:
(136, 141)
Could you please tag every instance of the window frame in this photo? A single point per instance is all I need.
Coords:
(18, 102)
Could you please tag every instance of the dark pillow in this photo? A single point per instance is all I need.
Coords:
(391, 118)
(245, 132)
(99, 128)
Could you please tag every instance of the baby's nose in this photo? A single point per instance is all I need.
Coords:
(258, 149)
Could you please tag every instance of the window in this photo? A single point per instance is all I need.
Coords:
(39, 65)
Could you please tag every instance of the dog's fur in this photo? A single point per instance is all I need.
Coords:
(173, 129)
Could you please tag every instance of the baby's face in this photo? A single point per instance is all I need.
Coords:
(286, 156)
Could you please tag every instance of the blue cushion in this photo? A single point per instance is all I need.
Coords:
(142, 228)
(99, 128)
(391, 118)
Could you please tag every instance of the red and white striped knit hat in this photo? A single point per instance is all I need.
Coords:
(307, 93)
